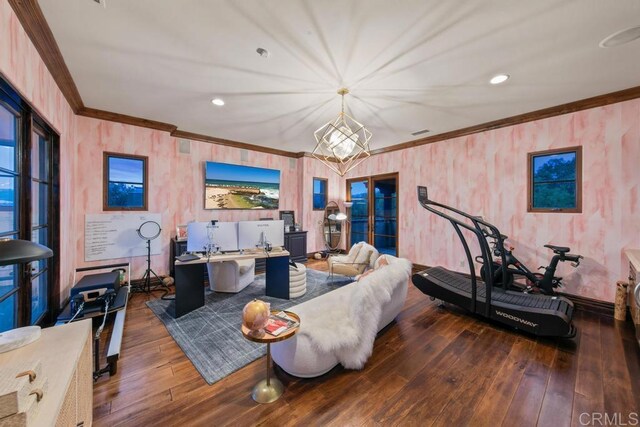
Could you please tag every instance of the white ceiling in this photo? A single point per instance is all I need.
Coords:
(409, 65)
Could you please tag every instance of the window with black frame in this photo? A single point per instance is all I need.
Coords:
(29, 205)
(125, 182)
(555, 180)
(319, 193)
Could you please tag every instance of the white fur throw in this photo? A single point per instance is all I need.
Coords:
(348, 329)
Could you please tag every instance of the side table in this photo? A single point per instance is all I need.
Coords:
(270, 389)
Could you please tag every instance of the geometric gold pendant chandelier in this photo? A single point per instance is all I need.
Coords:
(342, 144)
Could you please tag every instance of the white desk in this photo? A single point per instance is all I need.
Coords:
(189, 277)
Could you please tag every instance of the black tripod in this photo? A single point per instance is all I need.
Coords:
(146, 278)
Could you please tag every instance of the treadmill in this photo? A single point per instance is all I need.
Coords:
(538, 314)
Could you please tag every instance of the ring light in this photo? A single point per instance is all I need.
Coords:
(149, 230)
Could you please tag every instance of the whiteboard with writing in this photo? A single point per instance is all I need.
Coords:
(109, 236)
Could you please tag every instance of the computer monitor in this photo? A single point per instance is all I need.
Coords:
(251, 234)
(223, 234)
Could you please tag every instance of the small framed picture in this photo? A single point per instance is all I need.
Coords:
(181, 232)
(289, 219)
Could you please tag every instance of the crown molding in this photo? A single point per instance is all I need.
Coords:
(35, 25)
(236, 144)
(545, 113)
(123, 118)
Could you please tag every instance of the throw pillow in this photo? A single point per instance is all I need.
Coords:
(380, 262)
(362, 260)
(354, 251)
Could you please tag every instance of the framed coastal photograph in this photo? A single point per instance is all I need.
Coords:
(228, 186)
(181, 232)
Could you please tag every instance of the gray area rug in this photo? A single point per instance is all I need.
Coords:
(210, 336)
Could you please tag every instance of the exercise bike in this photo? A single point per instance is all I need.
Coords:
(535, 282)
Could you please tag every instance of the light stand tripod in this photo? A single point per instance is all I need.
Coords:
(148, 231)
(146, 278)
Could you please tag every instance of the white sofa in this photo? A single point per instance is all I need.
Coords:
(332, 328)
(231, 276)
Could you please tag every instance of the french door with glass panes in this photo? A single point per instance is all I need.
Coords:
(28, 194)
(374, 213)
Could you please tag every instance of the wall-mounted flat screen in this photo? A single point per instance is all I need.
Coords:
(230, 186)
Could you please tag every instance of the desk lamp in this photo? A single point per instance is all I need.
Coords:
(13, 251)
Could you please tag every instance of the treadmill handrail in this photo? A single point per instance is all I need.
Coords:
(477, 231)
(476, 221)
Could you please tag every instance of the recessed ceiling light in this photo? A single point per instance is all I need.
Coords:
(263, 52)
(217, 101)
(621, 37)
(499, 78)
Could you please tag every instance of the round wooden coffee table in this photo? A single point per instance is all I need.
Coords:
(270, 389)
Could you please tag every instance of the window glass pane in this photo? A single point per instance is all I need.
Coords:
(385, 187)
(8, 313)
(560, 195)
(360, 226)
(39, 297)
(126, 182)
(385, 245)
(8, 203)
(386, 226)
(319, 186)
(8, 278)
(385, 206)
(554, 167)
(359, 190)
(126, 170)
(39, 203)
(358, 237)
(359, 209)
(319, 201)
(41, 236)
(8, 128)
(126, 195)
(319, 193)
(40, 157)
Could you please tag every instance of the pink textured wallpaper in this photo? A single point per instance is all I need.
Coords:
(21, 65)
(312, 220)
(483, 173)
(176, 181)
(486, 174)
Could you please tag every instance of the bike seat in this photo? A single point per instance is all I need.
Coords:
(558, 249)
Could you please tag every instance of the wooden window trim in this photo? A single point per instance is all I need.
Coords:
(105, 181)
(530, 156)
(326, 193)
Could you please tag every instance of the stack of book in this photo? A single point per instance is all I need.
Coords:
(280, 323)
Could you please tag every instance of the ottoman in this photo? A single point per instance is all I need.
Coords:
(297, 280)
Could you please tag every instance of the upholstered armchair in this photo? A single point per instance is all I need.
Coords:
(361, 256)
(231, 276)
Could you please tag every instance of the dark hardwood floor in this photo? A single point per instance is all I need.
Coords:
(432, 366)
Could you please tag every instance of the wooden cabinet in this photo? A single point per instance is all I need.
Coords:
(65, 353)
(634, 305)
(296, 243)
